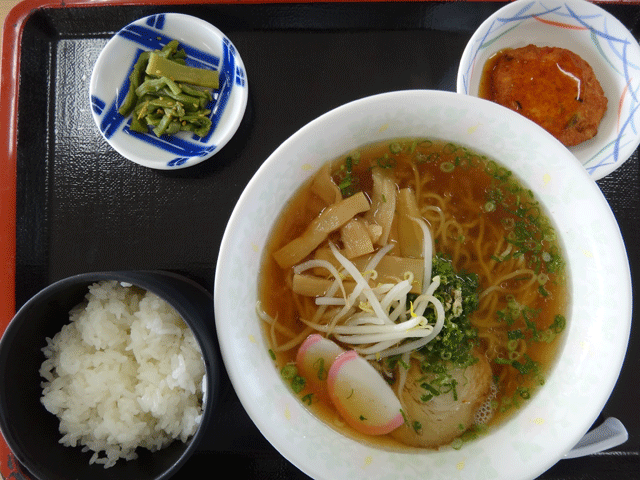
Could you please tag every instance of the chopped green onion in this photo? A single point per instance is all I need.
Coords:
(289, 371)
(447, 167)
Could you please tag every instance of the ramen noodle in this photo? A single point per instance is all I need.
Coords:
(438, 268)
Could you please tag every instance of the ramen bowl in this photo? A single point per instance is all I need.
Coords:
(588, 31)
(583, 376)
(32, 432)
(206, 47)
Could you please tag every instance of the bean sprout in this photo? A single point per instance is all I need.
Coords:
(375, 320)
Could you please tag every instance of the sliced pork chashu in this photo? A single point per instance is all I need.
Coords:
(442, 418)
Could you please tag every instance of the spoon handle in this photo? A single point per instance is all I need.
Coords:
(609, 434)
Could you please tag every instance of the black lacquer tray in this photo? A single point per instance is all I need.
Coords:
(82, 207)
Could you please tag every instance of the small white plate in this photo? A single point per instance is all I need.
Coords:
(206, 47)
(596, 36)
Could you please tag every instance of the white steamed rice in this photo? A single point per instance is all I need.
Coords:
(126, 372)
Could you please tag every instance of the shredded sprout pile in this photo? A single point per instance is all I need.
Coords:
(378, 321)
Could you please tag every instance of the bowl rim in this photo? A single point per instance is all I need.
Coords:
(229, 337)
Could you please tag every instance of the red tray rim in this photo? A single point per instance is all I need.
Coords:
(9, 95)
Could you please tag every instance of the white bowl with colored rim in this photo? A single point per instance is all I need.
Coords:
(593, 34)
(206, 47)
(576, 389)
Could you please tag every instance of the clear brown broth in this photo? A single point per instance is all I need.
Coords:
(465, 188)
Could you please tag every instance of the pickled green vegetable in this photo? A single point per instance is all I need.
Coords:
(172, 99)
(160, 66)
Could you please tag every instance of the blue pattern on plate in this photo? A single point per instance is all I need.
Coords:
(564, 16)
(156, 21)
(97, 105)
(173, 144)
(111, 120)
(150, 38)
(227, 72)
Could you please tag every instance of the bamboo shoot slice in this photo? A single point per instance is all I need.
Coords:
(355, 238)
(383, 202)
(311, 286)
(391, 268)
(410, 235)
(331, 219)
(324, 186)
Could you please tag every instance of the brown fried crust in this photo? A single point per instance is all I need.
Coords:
(552, 86)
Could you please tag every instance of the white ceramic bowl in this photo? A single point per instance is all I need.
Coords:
(595, 35)
(206, 47)
(558, 415)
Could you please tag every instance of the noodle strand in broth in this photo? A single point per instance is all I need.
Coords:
(448, 279)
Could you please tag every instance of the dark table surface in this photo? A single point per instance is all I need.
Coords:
(82, 207)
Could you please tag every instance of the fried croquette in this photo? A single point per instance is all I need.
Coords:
(551, 86)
